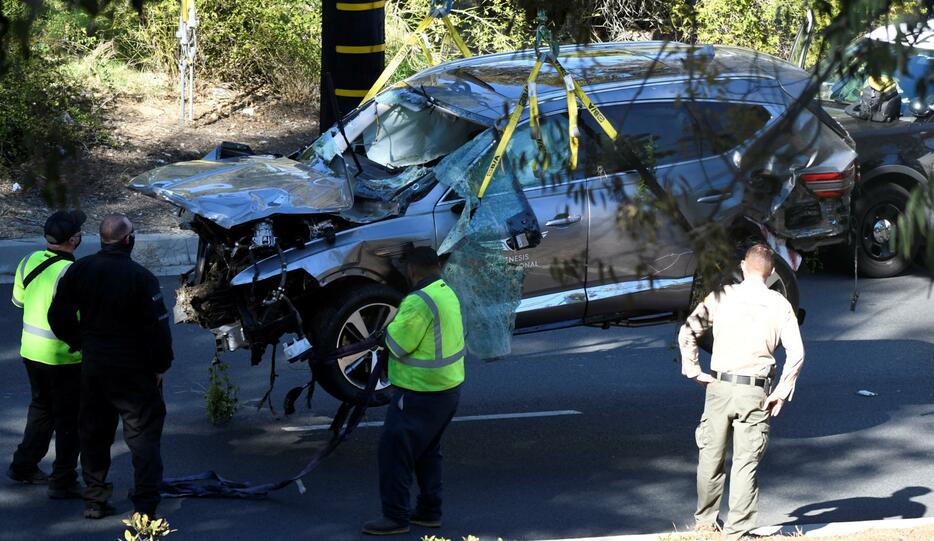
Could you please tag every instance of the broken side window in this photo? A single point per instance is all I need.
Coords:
(489, 288)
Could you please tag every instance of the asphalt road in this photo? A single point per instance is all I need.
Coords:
(624, 464)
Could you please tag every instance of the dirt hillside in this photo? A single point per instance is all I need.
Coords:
(147, 134)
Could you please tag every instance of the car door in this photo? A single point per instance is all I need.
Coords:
(553, 290)
(640, 260)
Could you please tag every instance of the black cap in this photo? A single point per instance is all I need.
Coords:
(64, 224)
(423, 257)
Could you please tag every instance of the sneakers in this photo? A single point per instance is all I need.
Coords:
(424, 521)
(35, 477)
(385, 526)
(98, 510)
(68, 492)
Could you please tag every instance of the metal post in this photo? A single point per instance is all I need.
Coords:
(187, 45)
(191, 91)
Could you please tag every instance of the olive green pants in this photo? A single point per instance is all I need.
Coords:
(739, 411)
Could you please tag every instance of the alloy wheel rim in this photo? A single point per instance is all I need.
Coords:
(773, 282)
(878, 230)
(357, 327)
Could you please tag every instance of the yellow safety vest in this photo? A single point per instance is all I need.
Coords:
(38, 343)
(426, 340)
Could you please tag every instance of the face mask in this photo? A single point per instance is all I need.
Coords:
(130, 242)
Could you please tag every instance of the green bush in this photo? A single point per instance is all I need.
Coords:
(276, 43)
(768, 26)
(44, 120)
(486, 27)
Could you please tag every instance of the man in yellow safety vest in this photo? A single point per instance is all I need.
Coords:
(426, 365)
(53, 369)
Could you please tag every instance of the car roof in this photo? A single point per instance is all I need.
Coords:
(600, 66)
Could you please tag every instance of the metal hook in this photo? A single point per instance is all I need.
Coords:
(441, 8)
(544, 34)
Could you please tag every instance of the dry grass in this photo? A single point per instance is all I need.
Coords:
(925, 533)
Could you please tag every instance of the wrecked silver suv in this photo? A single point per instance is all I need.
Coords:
(300, 250)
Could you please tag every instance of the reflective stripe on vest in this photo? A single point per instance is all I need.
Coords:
(39, 343)
(423, 359)
(440, 360)
(22, 265)
(36, 331)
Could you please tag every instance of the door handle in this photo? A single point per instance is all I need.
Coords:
(559, 221)
(714, 197)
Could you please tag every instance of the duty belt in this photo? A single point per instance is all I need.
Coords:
(742, 380)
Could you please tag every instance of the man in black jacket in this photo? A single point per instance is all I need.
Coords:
(123, 335)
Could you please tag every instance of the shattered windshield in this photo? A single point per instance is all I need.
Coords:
(386, 145)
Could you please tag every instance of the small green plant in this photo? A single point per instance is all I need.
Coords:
(141, 528)
(439, 538)
(221, 395)
(813, 262)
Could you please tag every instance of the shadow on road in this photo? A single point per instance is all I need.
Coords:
(898, 505)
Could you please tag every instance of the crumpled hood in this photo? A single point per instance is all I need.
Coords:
(240, 190)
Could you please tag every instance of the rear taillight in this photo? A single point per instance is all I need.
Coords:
(830, 184)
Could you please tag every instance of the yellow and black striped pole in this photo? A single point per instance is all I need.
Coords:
(352, 51)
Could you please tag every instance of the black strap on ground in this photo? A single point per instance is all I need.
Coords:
(347, 418)
(41, 267)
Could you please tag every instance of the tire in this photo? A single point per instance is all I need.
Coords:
(876, 214)
(784, 280)
(337, 325)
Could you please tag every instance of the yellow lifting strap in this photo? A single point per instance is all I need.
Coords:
(417, 37)
(535, 125)
(186, 8)
(529, 93)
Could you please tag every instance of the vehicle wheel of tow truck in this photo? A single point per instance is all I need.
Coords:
(783, 280)
(877, 212)
(352, 316)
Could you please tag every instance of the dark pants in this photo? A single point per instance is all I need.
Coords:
(109, 394)
(411, 443)
(54, 408)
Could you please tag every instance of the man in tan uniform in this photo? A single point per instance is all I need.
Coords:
(749, 321)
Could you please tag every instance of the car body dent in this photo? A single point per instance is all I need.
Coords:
(366, 250)
(590, 269)
(245, 189)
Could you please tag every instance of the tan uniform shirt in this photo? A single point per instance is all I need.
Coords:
(749, 321)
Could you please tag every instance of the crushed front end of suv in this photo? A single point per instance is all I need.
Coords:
(302, 250)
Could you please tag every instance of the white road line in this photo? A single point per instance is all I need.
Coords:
(464, 419)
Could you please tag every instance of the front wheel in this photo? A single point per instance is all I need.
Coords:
(350, 318)
(783, 280)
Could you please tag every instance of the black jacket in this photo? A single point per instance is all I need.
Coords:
(110, 307)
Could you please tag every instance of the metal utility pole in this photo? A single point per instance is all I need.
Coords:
(187, 44)
(352, 51)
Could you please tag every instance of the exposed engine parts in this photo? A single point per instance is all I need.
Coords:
(229, 337)
(296, 348)
(322, 230)
(266, 313)
(263, 235)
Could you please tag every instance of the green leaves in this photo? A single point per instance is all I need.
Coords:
(221, 395)
(145, 529)
(917, 224)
